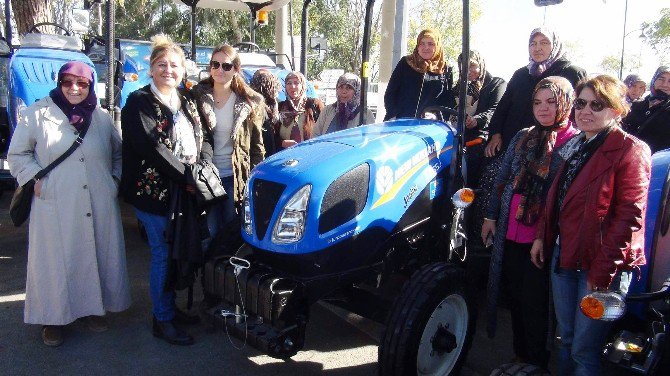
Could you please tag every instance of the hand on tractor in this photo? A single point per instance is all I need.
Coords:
(488, 231)
(537, 253)
(288, 143)
(470, 122)
(494, 145)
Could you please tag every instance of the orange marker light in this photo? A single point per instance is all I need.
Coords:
(467, 195)
(262, 17)
(592, 307)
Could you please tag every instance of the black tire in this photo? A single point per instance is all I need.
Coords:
(519, 369)
(420, 297)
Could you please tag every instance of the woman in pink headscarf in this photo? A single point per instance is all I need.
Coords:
(76, 253)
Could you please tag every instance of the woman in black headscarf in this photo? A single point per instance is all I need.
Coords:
(649, 119)
(76, 252)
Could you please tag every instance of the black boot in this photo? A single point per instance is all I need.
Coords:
(183, 318)
(170, 333)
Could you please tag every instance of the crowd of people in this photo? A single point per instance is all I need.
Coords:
(563, 160)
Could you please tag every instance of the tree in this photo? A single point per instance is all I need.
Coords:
(657, 34)
(27, 13)
(445, 16)
(611, 64)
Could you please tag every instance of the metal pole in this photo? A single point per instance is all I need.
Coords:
(365, 64)
(252, 29)
(400, 31)
(193, 8)
(290, 28)
(303, 38)
(8, 23)
(111, 57)
(464, 63)
(623, 40)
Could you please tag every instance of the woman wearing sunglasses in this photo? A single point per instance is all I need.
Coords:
(592, 231)
(234, 114)
(297, 113)
(649, 119)
(76, 253)
(162, 140)
(528, 167)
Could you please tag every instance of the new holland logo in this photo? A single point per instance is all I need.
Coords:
(384, 180)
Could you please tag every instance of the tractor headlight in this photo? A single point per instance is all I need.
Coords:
(291, 223)
(246, 213)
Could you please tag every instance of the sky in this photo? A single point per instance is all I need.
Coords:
(592, 29)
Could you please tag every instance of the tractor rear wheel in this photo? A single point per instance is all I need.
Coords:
(430, 328)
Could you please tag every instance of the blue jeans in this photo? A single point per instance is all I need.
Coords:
(162, 300)
(582, 338)
(222, 212)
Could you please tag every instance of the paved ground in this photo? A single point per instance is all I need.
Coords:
(336, 343)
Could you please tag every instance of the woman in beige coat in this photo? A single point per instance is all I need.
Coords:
(76, 253)
(344, 113)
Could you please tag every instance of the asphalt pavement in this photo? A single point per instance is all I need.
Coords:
(337, 343)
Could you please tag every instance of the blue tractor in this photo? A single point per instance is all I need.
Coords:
(362, 219)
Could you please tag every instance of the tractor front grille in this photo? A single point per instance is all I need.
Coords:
(265, 195)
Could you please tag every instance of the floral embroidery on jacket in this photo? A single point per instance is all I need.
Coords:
(151, 184)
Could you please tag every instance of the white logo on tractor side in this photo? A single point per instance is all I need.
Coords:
(384, 180)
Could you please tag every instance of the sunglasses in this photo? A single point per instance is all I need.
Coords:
(596, 106)
(225, 66)
(80, 84)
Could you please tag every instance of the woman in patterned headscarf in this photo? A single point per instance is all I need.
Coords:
(344, 113)
(297, 113)
(483, 94)
(528, 168)
(419, 80)
(546, 58)
(649, 118)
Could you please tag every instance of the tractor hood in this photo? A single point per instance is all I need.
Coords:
(376, 168)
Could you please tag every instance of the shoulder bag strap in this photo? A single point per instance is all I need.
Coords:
(60, 159)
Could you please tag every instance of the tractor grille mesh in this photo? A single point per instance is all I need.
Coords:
(265, 197)
(345, 198)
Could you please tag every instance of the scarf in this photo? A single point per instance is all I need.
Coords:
(297, 105)
(79, 115)
(576, 162)
(436, 64)
(658, 95)
(536, 149)
(536, 69)
(347, 111)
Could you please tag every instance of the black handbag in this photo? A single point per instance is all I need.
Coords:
(209, 188)
(19, 208)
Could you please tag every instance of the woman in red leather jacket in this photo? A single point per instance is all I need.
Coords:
(592, 231)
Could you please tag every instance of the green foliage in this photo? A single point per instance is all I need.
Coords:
(611, 64)
(445, 16)
(658, 33)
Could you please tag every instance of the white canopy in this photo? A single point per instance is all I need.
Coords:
(237, 4)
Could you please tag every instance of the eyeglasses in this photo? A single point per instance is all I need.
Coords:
(80, 84)
(225, 66)
(596, 106)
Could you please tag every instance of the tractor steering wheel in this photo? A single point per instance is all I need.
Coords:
(35, 27)
(247, 46)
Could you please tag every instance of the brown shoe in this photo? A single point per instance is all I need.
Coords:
(52, 335)
(96, 324)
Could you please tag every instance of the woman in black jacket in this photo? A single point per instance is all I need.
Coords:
(649, 119)
(419, 80)
(483, 94)
(514, 112)
(162, 139)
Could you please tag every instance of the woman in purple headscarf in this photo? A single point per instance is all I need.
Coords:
(344, 113)
(76, 253)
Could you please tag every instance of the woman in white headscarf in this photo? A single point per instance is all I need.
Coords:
(344, 113)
